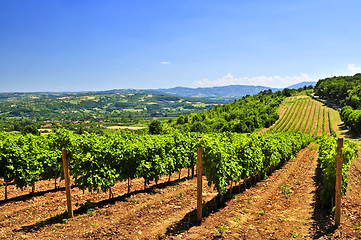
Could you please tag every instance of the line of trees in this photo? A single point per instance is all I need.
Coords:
(344, 91)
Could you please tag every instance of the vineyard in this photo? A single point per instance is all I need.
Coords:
(130, 186)
(305, 115)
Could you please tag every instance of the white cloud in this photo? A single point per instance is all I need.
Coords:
(353, 68)
(165, 63)
(268, 81)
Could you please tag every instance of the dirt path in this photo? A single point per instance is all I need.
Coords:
(277, 208)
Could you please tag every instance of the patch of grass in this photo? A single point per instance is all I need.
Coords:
(94, 224)
(237, 219)
(31, 205)
(295, 234)
(179, 195)
(262, 212)
(286, 190)
(251, 199)
(64, 220)
(298, 182)
(244, 210)
(221, 230)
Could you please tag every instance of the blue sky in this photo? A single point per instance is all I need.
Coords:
(111, 44)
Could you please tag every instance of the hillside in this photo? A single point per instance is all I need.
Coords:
(242, 115)
(78, 104)
(63, 109)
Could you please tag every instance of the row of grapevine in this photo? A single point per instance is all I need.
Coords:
(232, 157)
(26, 159)
(352, 117)
(95, 162)
(327, 156)
(98, 162)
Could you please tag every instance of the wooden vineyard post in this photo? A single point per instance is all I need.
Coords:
(199, 184)
(128, 185)
(338, 182)
(6, 190)
(67, 183)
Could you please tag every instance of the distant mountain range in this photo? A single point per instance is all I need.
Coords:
(216, 94)
(224, 94)
(302, 84)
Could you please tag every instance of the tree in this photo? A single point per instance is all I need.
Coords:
(181, 120)
(287, 92)
(155, 127)
(30, 129)
(199, 127)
